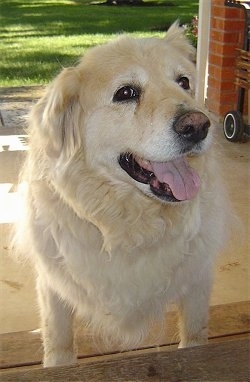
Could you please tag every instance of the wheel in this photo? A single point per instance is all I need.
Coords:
(233, 126)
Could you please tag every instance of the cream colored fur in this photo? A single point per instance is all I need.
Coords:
(103, 247)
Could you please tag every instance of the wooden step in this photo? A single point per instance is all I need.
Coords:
(224, 359)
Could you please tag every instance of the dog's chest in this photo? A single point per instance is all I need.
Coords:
(121, 279)
(86, 274)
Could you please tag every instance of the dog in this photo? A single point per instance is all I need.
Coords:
(124, 207)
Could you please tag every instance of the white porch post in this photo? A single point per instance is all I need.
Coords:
(202, 49)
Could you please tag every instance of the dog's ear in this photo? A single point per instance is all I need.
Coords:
(57, 114)
(176, 36)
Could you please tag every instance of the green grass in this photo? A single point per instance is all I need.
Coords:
(38, 38)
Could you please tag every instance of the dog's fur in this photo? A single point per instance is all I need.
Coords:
(104, 246)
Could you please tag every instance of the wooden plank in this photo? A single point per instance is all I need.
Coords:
(229, 319)
(104, 357)
(242, 83)
(243, 54)
(243, 74)
(244, 65)
(225, 361)
(25, 348)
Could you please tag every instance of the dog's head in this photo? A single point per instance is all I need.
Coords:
(128, 110)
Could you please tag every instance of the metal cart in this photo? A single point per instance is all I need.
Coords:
(234, 128)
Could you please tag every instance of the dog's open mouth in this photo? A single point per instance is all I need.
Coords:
(172, 181)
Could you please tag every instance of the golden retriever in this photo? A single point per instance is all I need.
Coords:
(124, 209)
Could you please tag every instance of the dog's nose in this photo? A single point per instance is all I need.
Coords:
(192, 126)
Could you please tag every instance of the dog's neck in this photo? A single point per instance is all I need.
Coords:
(127, 219)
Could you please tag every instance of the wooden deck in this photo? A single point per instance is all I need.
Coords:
(225, 358)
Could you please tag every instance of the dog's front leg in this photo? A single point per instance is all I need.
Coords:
(193, 315)
(57, 327)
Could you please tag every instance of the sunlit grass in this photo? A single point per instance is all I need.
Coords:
(38, 38)
(35, 67)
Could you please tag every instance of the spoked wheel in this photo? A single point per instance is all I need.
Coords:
(233, 126)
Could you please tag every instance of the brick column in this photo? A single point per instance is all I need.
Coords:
(226, 34)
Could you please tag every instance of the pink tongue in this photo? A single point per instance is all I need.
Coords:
(181, 178)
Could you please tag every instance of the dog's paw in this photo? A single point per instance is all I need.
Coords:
(62, 358)
(193, 341)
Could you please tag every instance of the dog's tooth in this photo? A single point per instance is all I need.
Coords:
(143, 163)
(151, 175)
(128, 157)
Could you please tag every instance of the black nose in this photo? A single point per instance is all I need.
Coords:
(192, 126)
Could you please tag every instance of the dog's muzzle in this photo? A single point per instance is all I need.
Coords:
(173, 180)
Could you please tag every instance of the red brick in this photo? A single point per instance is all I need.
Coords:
(226, 12)
(222, 97)
(224, 74)
(221, 85)
(219, 108)
(218, 3)
(226, 34)
(228, 37)
(225, 108)
(222, 49)
(220, 60)
(213, 94)
(228, 97)
(214, 107)
(227, 24)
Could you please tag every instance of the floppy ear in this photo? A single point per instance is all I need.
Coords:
(176, 36)
(57, 114)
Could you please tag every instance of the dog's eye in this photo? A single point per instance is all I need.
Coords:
(126, 93)
(183, 82)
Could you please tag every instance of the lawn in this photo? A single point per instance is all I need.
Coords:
(38, 38)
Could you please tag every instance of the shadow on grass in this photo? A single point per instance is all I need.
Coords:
(50, 18)
(47, 65)
(30, 31)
